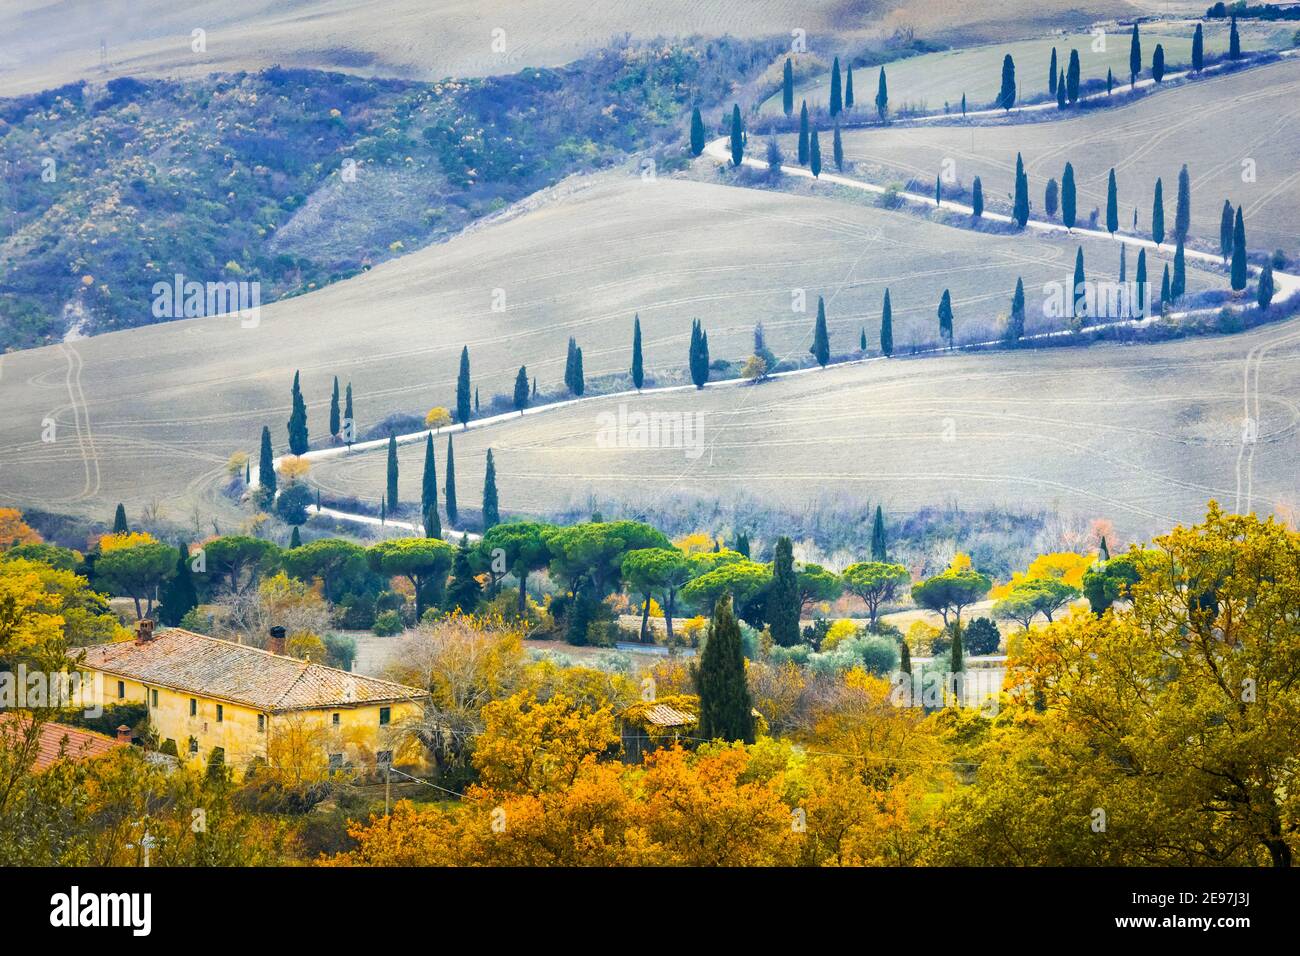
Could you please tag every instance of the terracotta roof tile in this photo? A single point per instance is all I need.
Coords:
(61, 742)
(210, 667)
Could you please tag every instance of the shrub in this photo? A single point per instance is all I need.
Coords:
(981, 636)
(387, 623)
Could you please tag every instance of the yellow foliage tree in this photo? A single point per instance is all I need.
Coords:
(15, 531)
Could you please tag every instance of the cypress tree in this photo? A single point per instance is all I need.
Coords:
(977, 198)
(1007, 95)
(1179, 284)
(266, 468)
(1141, 281)
(119, 520)
(463, 410)
(638, 369)
(579, 380)
(1166, 293)
(450, 497)
(383, 509)
(882, 96)
(742, 544)
(1060, 92)
(569, 363)
(1134, 57)
(179, 596)
(1072, 78)
(958, 655)
(699, 355)
(463, 590)
(1103, 552)
(1080, 285)
(837, 97)
(521, 389)
(1110, 81)
(1264, 291)
(248, 473)
(429, 482)
(533, 394)
(1051, 74)
(335, 417)
(298, 421)
(1158, 63)
(803, 133)
(815, 155)
(491, 514)
(945, 317)
(886, 328)
(904, 657)
(697, 132)
(1234, 41)
(1016, 324)
(295, 539)
(391, 496)
(1112, 204)
(938, 191)
(878, 550)
(1067, 196)
(787, 88)
(432, 524)
(1158, 214)
(1198, 50)
(862, 340)
(837, 149)
(1123, 261)
(349, 423)
(1225, 230)
(737, 137)
(1052, 198)
(783, 602)
(726, 711)
(476, 407)
(1239, 270)
(963, 106)
(821, 347)
(1021, 208)
(1183, 213)
(848, 86)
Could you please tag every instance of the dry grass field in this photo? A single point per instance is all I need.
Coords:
(45, 43)
(1212, 125)
(153, 413)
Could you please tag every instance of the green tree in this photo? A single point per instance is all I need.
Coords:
(662, 570)
(1234, 41)
(298, 421)
(422, 561)
(803, 134)
(737, 137)
(523, 547)
(638, 368)
(521, 389)
(463, 590)
(699, 355)
(1061, 101)
(783, 605)
(450, 496)
(787, 87)
(1021, 206)
(1239, 269)
(491, 512)
(875, 582)
(1016, 324)
(1183, 212)
(1264, 291)
(295, 538)
(119, 520)
(945, 318)
(336, 421)
(837, 149)
(837, 96)
(821, 346)
(136, 571)
(240, 559)
(886, 328)
(815, 154)
(1067, 196)
(1158, 214)
(1198, 50)
(1179, 284)
(335, 562)
(977, 198)
(1007, 94)
(879, 548)
(726, 711)
(1158, 64)
(1051, 74)
(697, 132)
(848, 86)
(882, 96)
(1052, 198)
(1080, 300)
(1225, 230)
(179, 596)
(1072, 78)
(390, 495)
(1112, 204)
(1134, 57)
(292, 503)
(349, 423)
(949, 593)
(429, 484)
(1141, 281)
(463, 410)
(266, 469)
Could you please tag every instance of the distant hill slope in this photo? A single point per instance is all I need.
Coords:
(46, 43)
(155, 412)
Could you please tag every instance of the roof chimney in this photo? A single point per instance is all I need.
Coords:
(144, 630)
(124, 734)
(275, 644)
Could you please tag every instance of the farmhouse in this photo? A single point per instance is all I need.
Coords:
(210, 697)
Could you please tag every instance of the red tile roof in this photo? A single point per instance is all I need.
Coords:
(57, 742)
(210, 667)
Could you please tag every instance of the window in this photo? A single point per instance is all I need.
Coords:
(261, 723)
(121, 690)
(194, 745)
(221, 713)
(385, 715)
(336, 720)
(194, 707)
(153, 697)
